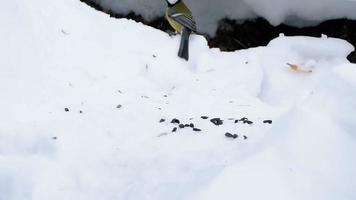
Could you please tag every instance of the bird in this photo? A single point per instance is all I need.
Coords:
(181, 19)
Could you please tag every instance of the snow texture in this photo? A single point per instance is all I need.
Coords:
(82, 95)
(208, 12)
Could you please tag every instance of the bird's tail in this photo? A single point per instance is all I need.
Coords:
(184, 44)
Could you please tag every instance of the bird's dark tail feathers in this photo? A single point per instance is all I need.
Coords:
(184, 44)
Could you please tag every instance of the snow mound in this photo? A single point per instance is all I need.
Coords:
(282, 86)
(87, 102)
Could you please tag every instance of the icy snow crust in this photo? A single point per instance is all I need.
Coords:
(208, 12)
(62, 54)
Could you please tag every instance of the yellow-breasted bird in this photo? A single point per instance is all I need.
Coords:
(180, 18)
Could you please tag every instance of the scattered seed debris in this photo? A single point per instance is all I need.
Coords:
(245, 137)
(54, 138)
(162, 134)
(174, 129)
(229, 135)
(66, 109)
(248, 122)
(217, 121)
(80, 111)
(175, 121)
(296, 68)
(204, 117)
(196, 129)
(119, 106)
(162, 120)
(267, 121)
(243, 119)
(64, 32)
(191, 125)
(181, 126)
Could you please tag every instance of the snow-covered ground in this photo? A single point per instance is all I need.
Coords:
(207, 13)
(82, 95)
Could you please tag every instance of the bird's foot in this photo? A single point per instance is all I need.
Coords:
(172, 33)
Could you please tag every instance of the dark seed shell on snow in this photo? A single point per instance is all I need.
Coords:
(175, 121)
(267, 121)
(216, 121)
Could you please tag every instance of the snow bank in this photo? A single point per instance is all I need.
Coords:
(82, 95)
(208, 12)
(316, 54)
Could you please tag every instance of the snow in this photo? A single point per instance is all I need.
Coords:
(63, 54)
(207, 12)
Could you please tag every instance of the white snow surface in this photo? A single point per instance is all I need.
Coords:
(207, 13)
(63, 54)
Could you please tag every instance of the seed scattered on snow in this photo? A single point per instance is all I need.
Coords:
(175, 121)
(162, 120)
(245, 137)
(196, 129)
(267, 121)
(119, 106)
(204, 117)
(162, 134)
(229, 135)
(66, 109)
(248, 122)
(174, 129)
(217, 121)
(80, 111)
(181, 125)
(191, 125)
(243, 119)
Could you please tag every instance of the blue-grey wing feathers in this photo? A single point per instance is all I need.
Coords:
(185, 20)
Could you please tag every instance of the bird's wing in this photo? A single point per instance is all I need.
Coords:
(185, 20)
